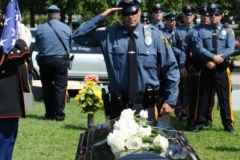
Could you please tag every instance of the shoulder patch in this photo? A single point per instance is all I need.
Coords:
(232, 32)
(165, 40)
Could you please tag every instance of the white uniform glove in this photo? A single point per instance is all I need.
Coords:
(24, 34)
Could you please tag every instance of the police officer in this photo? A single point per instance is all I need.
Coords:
(181, 32)
(12, 105)
(53, 62)
(170, 23)
(180, 20)
(150, 49)
(157, 14)
(215, 44)
(145, 18)
(190, 47)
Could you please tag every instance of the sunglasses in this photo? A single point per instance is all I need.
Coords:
(216, 14)
(128, 14)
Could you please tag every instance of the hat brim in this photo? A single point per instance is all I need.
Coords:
(130, 9)
(189, 13)
(157, 10)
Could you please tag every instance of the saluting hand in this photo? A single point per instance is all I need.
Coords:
(109, 13)
(166, 109)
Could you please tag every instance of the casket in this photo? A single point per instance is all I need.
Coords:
(93, 145)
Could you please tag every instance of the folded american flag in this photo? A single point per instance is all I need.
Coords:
(10, 30)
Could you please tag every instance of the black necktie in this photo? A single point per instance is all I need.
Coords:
(159, 27)
(133, 69)
(214, 41)
(187, 29)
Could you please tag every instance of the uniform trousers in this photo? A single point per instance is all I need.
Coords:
(8, 135)
(54, 78)
(221, 80)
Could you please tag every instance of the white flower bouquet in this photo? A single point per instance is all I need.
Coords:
(131, 133)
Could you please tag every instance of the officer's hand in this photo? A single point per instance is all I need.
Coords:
(218, 58)
(109, 13)
(166, 109)
(211, 65)
(183, 73)
(24, 34)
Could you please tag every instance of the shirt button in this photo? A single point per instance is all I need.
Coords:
(18, 51)
(3, 71)
(25, 48)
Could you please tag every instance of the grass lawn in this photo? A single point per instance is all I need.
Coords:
(40, 139)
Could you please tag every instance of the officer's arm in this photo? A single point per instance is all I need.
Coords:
(204, 54)
(170, 70)
(175, 48)
(229, 50)
(87, 35)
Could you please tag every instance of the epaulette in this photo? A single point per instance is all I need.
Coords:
(19, 50)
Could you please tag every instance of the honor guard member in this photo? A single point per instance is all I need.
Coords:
(12, 105)
(215, 44)
(145, 18)
(157, 14)
(170, 24)
(53, 40)
(181, 32)
(132, 52)
(195, 68)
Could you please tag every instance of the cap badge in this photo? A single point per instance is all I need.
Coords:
(188, 7)
(213, 6)
(158, 5)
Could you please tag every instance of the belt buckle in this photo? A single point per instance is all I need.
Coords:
(130, 101)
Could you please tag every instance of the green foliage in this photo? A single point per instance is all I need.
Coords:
(40, 139)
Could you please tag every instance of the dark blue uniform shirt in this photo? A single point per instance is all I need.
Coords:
(225, 42)
(113, 42)
(48, 43)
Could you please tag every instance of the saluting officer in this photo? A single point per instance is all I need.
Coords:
(132, 52)
(214, 45)
(157, 14)
(178, 48)
(53, 40)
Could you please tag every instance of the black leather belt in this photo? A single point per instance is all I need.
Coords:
(53, 57)
(139, 100)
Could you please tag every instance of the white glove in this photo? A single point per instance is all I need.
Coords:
(24, 34)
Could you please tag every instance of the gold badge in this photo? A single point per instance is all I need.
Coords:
(188, 7)
(165, 40)
(232, 32)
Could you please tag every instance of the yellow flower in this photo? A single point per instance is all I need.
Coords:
(90, 97)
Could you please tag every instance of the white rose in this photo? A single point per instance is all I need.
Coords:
(162, 141)
(134, 143)
(144, 131)
(143, 114)
(116, 144)
(127, 114)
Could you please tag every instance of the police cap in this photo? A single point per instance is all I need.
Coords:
(203, 10)
(180, 18)
(145, 16)
(170, 16)
(214, 8)
(129, 6)
(188, 10)
(53, 8)
(157, 8)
